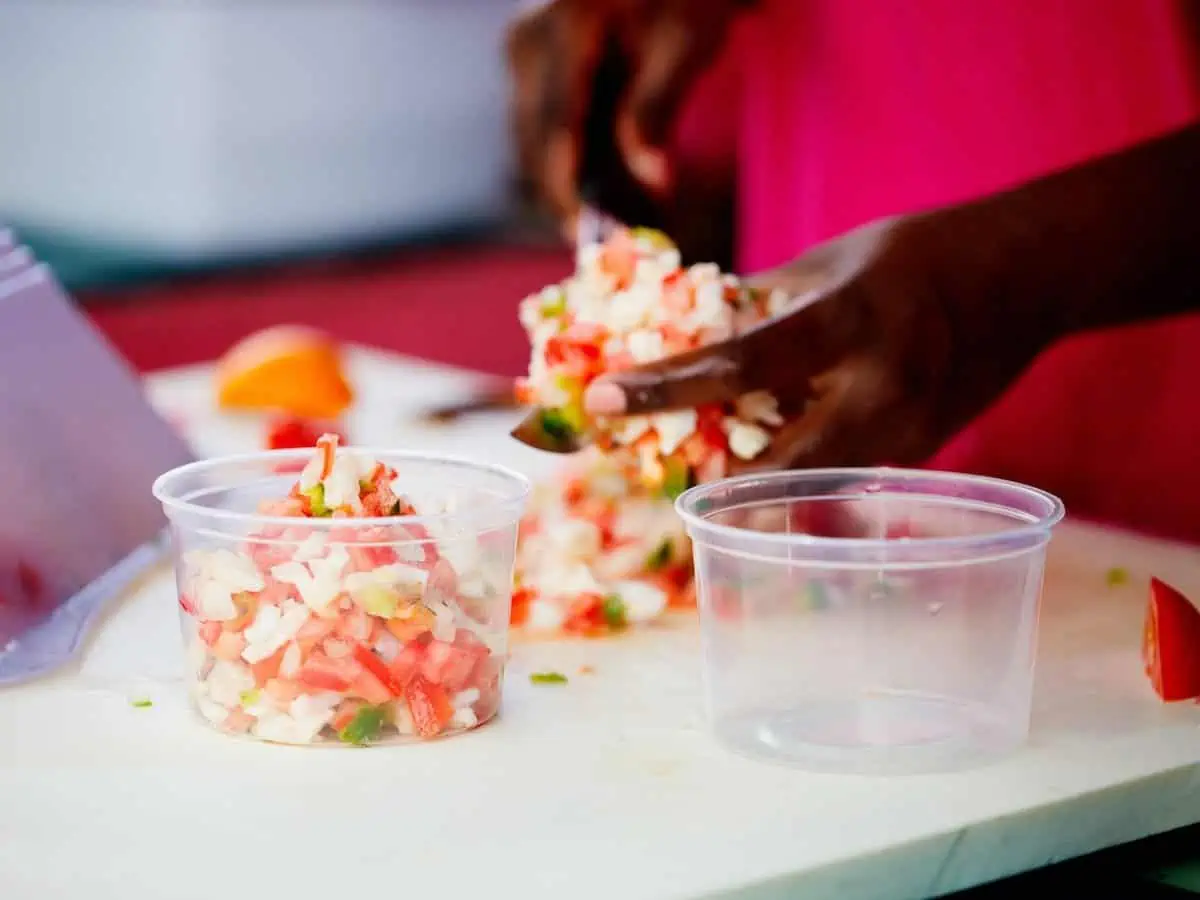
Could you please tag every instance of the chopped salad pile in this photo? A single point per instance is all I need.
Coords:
(630, 302)
(599, 551)
(352, 634)
(602, 546)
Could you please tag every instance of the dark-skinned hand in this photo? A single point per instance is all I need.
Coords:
(596, 88)
(906, 329)
(881, 364)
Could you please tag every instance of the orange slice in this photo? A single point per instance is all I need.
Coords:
(288, 369)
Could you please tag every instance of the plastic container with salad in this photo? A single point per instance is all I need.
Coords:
(342, 595)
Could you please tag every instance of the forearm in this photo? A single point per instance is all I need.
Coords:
(1113, 241)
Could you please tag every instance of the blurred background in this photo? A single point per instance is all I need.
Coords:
(197, 171)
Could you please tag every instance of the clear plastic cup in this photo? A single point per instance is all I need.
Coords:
(869, 620)
(344, 630)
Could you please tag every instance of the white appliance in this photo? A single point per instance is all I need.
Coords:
(202, 128)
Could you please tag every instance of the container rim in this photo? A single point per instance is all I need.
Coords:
(164, 486)
(686, 503)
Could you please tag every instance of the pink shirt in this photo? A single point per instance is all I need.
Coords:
(848, 110)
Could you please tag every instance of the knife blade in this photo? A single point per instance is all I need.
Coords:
(79, 448)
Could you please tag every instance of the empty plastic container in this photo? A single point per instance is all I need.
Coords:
(303, 630)
(869, 620)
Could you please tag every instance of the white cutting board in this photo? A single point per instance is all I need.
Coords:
(602, 788)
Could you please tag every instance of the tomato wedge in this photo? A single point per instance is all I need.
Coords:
(430, 707)
(378, 668)
(1171, 643)
(266, 669)
(407, 662)
(521, 599)
(451, 665)
(324, 673)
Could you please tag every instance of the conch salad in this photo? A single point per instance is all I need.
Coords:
(602, 547)
(599, 551)
(630, 302)
(354, 634)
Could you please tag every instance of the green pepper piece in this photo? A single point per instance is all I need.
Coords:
(1116, 576)
(677, 477)
(316, 500)
(552, 308)
(655, 238)
(548, 678)
(614, 611)
(661, 556)
(365, 727)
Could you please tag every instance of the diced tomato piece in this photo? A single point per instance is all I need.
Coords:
(577, 351)
(695, 450)
(523, 392)
(451, 665)
(594, 509)
(275, 592)
(267, 556)
(321, 672)
(618, 258)
(229, 646)
(367, 559)
(530, 525)
(238, 722)
(282, 691)
(589, 334)
(574, 491)
(407, 663)
(582, 361)
(370, 689)
(379, 670)
(266, 669)
(521, 600)
(430, 706)
(586, 616)
(675, 340)
(209, 632)
(606, 520)
(313, 632)
(678, 292)
(709, 426)
(1171, 643)
(375, 506)
(295, 433)
(186, 604)
(683, 597)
